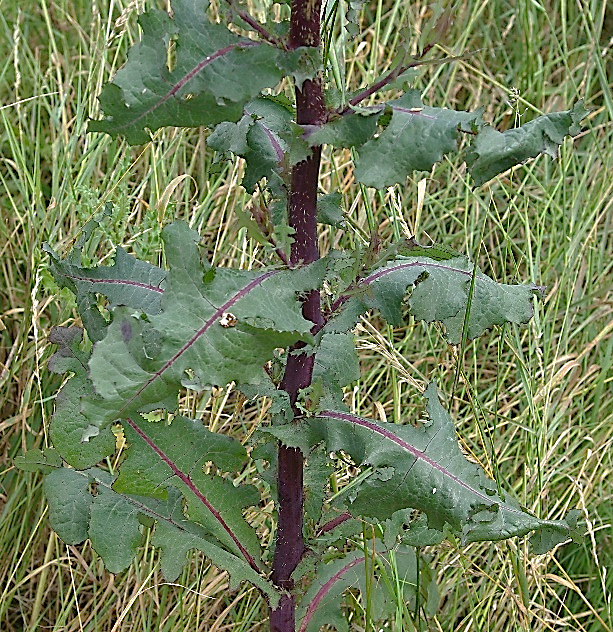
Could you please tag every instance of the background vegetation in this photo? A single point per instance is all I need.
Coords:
(534, 404)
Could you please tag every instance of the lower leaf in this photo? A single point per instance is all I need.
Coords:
(83, 504)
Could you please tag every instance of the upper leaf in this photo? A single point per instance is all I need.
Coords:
(401, 136)
(416, 138)
(411, 136)
(420, 468)
(188, 72)
(266, 137)
(215, 326)
(494, 152)
(443, 291)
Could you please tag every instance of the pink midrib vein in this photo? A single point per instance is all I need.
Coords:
(152, 288)
(188, 77)
(194, 489)
(214, 318)
(371, 278)
(321, 593)
(418, 454)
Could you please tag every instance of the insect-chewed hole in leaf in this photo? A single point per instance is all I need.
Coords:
(102, 304)
(422, 277)
(93, 488)
(346, 459)
(187, 97)
(156, 415)
(384, 120)
(120, 438)
(171, 54)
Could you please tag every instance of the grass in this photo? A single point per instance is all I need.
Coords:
(533, 404)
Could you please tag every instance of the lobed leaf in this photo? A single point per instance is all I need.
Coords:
(416, 138)
(215, 326)
(440, 290)
(163, 455)
(421, 468)
(188, 72)
(493, 152)
(129, 281)
(83, 504)
(336, 359)
(398, 137)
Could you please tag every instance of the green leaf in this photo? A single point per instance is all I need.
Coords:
(69, 498)
(420, 468)
(440, 291)
(185, 443)
(416, 137)
(321, 604)
(336, 359)
(116, 281)
(280, 405)
(351, 130)
(216, 326)
(128, 281)
(114, 528)
(317, 473)
(176, 539)
(330, 210)
(80, 443)
(266, 137)
(188, 72)
(161, 455)
(44, 461)
(83, 504)
(494, 152)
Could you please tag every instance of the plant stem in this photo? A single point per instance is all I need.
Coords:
(302, 212)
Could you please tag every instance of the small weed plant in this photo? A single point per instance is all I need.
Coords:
(282, 332)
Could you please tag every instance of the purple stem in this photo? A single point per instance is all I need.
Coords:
(302, 211)
(194, 489)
